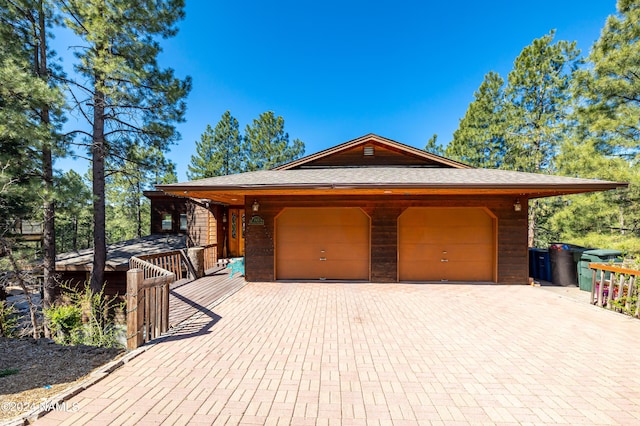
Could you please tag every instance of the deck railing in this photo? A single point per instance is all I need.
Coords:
(616, 287)
(173, 261)
(210, 256)
(147, 301)
(148, 281)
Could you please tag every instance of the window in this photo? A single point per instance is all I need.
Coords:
(167, 222)
(183, 222)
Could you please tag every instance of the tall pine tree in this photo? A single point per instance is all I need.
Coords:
(219, 151)
(605, 140)
(267, 145)
(25, 55)
(538, 104)
(128, 99)
(479, 139)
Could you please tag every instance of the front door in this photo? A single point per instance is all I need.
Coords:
(236, 232)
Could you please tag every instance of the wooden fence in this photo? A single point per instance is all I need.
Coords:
(147, 301)
(616, 287)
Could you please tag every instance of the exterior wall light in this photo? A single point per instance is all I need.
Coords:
(224, 218)
(256, 206)
(517, 206)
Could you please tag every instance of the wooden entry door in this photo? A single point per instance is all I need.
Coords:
(446, 244)
(235, 232)
(322, 243)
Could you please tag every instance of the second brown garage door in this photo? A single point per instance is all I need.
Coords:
(322, 243)
(446, 244)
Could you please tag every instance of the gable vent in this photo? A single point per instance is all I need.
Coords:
(369, 151)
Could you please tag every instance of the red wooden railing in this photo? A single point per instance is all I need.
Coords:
(615, 286)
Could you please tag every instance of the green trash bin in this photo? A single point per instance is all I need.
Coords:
(585, 274)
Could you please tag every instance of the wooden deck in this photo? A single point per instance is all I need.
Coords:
(187, 298)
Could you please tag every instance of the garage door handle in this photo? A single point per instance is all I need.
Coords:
(444, 260)
(323, 258)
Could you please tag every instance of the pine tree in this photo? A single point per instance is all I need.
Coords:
(433, 147)
(605, 136)
(611, 88)
(25, 57)
(128, 99)
(538, 104)
(479, 139)
(267, 145)
(219, 151)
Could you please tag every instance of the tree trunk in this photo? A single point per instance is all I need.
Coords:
(74, 237)
(48, 232)
(531, 238)
(139, 209)
(99, 220)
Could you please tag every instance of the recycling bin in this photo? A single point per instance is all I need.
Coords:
(585, 276)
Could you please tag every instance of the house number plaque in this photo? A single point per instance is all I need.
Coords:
(256, 220)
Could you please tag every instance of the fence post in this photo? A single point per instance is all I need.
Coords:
(134, 280)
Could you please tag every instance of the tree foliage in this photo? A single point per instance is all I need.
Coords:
(433, 147)
(129, 211)
(538, 102)
(219, 151)
(605, 135)
(25, 37)
(74, 227)
(480, 138)
(267, 145)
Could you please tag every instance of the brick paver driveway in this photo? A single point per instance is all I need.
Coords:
(381, 354)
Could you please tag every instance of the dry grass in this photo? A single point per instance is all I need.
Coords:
(44, 369)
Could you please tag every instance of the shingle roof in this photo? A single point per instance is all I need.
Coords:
(391, 177)
(118, 254)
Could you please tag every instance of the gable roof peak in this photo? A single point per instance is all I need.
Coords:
(373, 139)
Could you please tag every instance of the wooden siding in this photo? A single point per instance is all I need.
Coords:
(382, 156)
(167, 205)
(202, 228)
(198, 229)
(512, 261)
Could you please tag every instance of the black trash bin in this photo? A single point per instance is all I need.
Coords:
(585, 277)
(539, 265)
(564, 263)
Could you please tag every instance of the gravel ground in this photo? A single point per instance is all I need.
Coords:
(44, 369)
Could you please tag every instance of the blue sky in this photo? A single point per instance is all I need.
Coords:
(336, 70)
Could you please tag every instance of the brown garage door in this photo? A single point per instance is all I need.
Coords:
(446, 244)
(322, 243)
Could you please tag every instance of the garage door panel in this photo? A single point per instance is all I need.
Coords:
(455, 244)
(346, 270)
(296, 269)
(322, 243)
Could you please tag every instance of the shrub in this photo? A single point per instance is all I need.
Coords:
(8, 320)
(86, 318)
